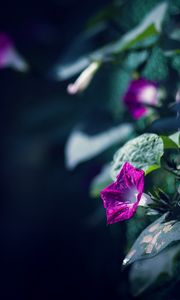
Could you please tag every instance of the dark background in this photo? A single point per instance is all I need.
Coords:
(49, 246)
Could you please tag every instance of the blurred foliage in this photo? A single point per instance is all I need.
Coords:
(156, 67)
(147, 45)
(37, 129)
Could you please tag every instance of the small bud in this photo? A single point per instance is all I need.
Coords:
(145, 200)
(83, 80)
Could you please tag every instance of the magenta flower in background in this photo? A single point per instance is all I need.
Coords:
(5, 45)
(9, 57)
(121, 198)
(139, 92)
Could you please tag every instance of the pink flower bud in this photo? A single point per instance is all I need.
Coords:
(139, 93)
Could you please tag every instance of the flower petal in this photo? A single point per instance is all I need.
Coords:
(121, 198)
(121, 212)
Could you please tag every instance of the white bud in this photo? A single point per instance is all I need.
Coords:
(84, 79)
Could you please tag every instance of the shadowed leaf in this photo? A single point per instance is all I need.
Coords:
(154, 239)
(153, 271)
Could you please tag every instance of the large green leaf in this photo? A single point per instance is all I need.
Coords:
(154, 239)
(155, 271)
(81, 147)
(143, 152)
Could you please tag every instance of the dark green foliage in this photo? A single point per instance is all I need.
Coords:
(156, 67)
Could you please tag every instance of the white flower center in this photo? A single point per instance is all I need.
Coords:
(148, 95)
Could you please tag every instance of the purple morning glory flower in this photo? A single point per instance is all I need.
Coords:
(5, 45)
(139, 92)
(121, 198)
(9, 57)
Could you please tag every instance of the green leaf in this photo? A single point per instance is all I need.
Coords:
(175, 137)
(175, 35)
(169, 143)
(174, 7)
(176, 62)
(143, 152)
(156, 67)
(81, 147)
(149, 27)
(135, 59)
(154, 239)
(172, 52)
(100, 181)
(152, 168)
(135, 226)
(133, 37)
(118, 82)
(152, 272)
(139, 9)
